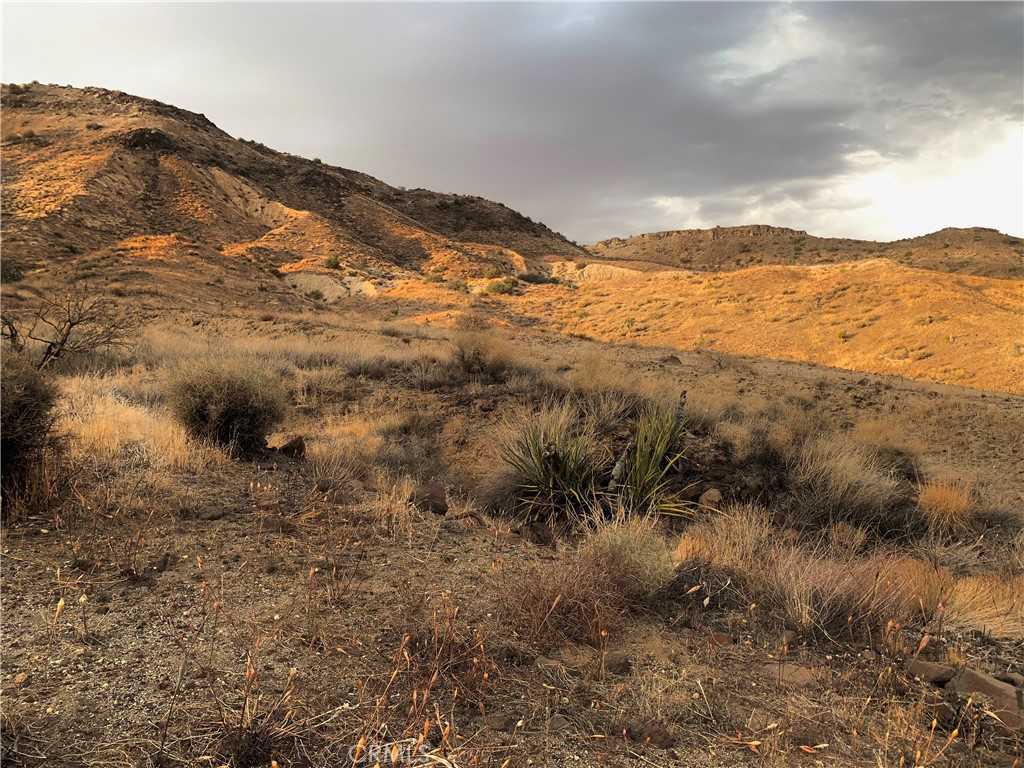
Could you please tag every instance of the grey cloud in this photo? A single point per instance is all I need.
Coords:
(575, 114)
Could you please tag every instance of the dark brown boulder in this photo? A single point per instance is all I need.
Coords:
(294, 448)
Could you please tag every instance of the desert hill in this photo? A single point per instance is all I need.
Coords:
(159, 208)
(973, 251)
(96, 179)
(871, 315)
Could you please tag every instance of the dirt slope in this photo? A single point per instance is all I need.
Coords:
(870, 315)
(974, 251)
(87, 172)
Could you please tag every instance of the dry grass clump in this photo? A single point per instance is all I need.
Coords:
(737, 558)
(228, 404)
(320, 386)
(553, 459)
(28, 398)
(481, 354)
(707, 406)
(103, 425)
(840, 480)
(948, 505)
(839, 599)
(989, 603)
(634, 556)
(755, 431)
(393, 512)
(893, 445)
(723, 555)
(584, 595)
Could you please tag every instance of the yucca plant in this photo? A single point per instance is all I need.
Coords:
(650, 459)
(554, 460)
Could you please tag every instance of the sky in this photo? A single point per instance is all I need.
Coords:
(867, 120)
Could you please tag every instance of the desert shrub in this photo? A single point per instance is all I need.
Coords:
(481, 354)
(585, 594)
(840, 480)
(505, 285)
(724, 555)
(815, 594)
(10, 272)
(332, 262)
(28, 397)
(947, 505)
(537, 278)
(650, 458)
(554, 460)
(228, 404)
(316, 294)
(633, 555)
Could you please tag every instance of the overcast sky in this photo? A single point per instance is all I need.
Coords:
(865, 120)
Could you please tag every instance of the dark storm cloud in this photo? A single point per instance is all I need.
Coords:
(581, 115)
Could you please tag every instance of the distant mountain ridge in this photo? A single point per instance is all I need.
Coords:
(974, 251)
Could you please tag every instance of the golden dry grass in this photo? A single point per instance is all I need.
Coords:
(845, 481)
(878, 321)
(947, 504)
(103, 425)
(735, 539)
(989, 603)
(584, 595)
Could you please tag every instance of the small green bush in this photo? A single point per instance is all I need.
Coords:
(505, 285)
(332, 262)
(28, 397)
(227, 404)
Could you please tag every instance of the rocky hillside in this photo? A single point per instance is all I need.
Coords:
(975, 251)
(102, 185)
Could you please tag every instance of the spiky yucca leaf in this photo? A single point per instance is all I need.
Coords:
(651, 459)
(555, 461)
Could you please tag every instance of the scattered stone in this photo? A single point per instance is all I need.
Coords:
(1012, 678)
(617, 663)
(559, 723)
(21, 679)
(294, 448)
(721, 638)
(431, 497)
(499, 721)
(655, 734)
(792, 674)
(1004, 700)
(930, 672)
(712, 498)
